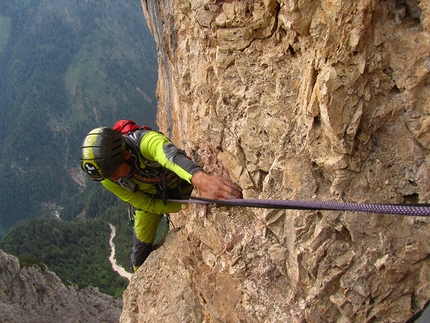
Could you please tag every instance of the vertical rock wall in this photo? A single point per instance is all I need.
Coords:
(294, 99)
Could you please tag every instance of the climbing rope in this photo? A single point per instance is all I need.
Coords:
(396, 209)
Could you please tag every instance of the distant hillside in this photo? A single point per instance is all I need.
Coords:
(65, 67)
(77, 252)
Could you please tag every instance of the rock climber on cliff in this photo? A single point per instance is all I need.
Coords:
(144, 168)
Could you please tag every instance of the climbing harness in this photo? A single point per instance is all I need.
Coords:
(396, 209)
(130, 215)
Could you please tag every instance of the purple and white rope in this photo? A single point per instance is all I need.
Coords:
(397, 209)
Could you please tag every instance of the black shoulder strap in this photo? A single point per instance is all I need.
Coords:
(133, 142)
(153, 173)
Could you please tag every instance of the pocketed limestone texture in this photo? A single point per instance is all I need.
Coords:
(307, 100)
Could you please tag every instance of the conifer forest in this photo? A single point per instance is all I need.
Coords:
(67, 67)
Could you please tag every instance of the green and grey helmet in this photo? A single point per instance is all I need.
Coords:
(102, 152)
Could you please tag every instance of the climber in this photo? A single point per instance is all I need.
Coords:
(144, 168)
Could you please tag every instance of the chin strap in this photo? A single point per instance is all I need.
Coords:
(396, 209)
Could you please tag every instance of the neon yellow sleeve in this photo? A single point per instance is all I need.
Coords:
(154, 146)
(140, 200)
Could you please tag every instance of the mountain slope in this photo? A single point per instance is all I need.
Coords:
(29, 292)
(65, 68)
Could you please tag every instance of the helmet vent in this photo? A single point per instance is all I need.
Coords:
(103, 149)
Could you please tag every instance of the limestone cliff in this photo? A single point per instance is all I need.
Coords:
(35, 294)
(294, 99)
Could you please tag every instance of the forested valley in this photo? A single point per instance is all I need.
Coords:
(78, 251)
(67, 67)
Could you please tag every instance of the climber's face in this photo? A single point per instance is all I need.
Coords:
(122, 171)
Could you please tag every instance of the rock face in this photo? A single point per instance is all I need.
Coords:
(34, 294)
(294, 99)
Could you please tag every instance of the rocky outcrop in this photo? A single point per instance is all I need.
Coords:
(35, 294)
(320, 100)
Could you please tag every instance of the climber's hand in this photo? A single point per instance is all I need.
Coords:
(215, 187)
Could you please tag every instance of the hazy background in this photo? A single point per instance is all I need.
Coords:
(66, 67)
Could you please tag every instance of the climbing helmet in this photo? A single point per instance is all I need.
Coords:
(102, 152)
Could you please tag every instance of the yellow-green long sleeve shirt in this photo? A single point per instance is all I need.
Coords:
(155, 147)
